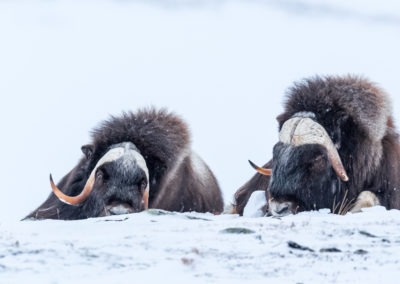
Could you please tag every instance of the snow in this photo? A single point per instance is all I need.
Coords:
(255, 205)
(153, 246)
(224, 66)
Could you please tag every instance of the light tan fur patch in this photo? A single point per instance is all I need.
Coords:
(364, 200)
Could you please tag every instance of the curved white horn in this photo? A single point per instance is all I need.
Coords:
(73, 200)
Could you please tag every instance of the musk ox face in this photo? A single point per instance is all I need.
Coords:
(303, 179)
(118, 184)
(307, 167)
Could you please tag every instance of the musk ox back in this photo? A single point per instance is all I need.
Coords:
(338, 149)
(135, 161)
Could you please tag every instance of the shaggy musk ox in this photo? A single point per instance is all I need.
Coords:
(338, 149)
(135, 161)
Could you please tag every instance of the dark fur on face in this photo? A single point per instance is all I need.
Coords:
(179, 180)
(357, 117)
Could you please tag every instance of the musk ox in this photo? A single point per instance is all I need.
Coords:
(135, 161)
(338, 148)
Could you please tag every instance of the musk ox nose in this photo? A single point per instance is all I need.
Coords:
(118, 208)
(280, 209)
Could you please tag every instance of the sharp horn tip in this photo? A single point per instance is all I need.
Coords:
(266, 172)
(51, 179)
(253, 165)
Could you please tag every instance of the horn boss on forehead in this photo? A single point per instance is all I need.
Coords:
(299, 131)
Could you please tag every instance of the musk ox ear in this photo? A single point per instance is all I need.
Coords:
(87, 150)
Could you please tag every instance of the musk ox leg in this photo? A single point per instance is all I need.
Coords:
(364, 200)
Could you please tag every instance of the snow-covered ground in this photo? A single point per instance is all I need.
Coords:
(162, 247)
(224, 66)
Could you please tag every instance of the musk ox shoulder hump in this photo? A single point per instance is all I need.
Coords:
(367, 104)
(159, 134)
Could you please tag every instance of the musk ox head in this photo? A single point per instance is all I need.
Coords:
(331, 145)
(307, 167)
(118, 184)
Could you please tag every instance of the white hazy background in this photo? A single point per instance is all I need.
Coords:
(224, 66)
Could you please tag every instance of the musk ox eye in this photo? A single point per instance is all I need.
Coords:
(143, 185)
(318, 163)
(318, 159)
(100, 175)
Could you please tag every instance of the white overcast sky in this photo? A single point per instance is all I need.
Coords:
(223, 66)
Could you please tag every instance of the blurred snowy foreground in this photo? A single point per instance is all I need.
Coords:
(163, 247)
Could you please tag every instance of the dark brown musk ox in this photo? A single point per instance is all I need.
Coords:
(338, 148)
(135, 161)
